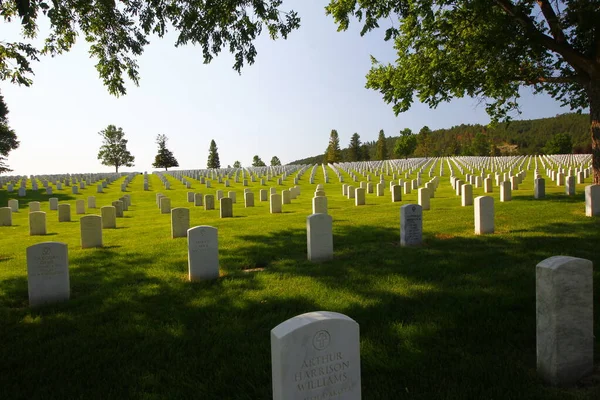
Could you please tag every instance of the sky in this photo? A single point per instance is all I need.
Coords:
(284, 105)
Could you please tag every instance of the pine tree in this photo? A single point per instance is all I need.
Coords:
(165, 158)
(334, 153)
(213, 156)
(381, 150)
(354, 151)
(275, 161)
(366, 152)
(114, 149)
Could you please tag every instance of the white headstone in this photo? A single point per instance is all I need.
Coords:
(286, 197)
(359, 196)
(198, 200)
(47, 273)
(319, 204)
(319, 237)
(180, 222)
(423, 198)
(592, 200)
(165, 205)
(91, 231)
(109, 217)
(34, 206)
(484, 215)
(467, 195)
(505, 191)
(64, 212)
(13, 204)
(80, 206)
(263, 194)
(276, 203)
(37, 223)
(91, 202)
(249, 199)
(564, 319)
(203, 253)
(539, 188)
(411, 225)
(209, 202)
(5, 216)
(226, 207)
(316, 356)
(396, 193)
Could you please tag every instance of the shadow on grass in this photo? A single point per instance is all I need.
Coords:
(31, 195)
(454, 318)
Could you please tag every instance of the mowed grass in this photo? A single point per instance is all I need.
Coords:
(452, 319)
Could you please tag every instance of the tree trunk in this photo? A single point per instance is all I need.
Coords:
(166, 169)
(116, 169)
(594, 93)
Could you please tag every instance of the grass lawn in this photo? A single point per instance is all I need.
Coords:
(452, 319)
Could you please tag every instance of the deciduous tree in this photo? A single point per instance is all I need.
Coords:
(8, 137)
(275, 161)
(406, 144)
(257, 162)
(114, 148)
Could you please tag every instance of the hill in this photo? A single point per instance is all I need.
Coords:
(514, 138)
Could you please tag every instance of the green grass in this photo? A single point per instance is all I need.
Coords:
(452, 319)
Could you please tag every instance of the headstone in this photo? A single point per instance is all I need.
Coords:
(319, 237)
(209, 202)
(484, 215)
(407, 187)
(411, 225)
(5, 216)
(249, 199)
(80, 206)
(198, 199)
(190, 197)
(219, 195)
(564, 319)
(165, 205)
(109, 217)
(180, 222)
(232, 196)
(359, 196)
(22, 192)
(351, 192)
(91, 231)
(286, 197)
(276, 203)
(396, 193)
(91, 202)
(49, 190)
(570, 185)
(14, 205)
(467, 195)
(539, 188)
(319, 204)
(64, 213)
(505, 192)
(75, 189)
(34, 206)
(118, 205)
(263, 195)
(37, 223)
(380, 187)
(316, 356)
(423, 198)
(487, 185)
(47, 273)
(226, 207)
(592, 200)
(203, 253)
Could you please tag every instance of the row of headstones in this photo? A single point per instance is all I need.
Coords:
(317, 355)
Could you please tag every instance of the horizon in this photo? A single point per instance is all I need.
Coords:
(304, 86)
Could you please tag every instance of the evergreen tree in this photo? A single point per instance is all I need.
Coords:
(165, 158)
(213, 156)
(424, 142)
(354, 151)
(275, 161)
(8, 138)
(114, 148)
(237, 164)
(381, 150)
(257, 162)
(333, 153)
(561, 143)
(366, 152)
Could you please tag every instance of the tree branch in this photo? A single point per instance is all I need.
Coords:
(551, 79)
(573, 57)
(552, 20)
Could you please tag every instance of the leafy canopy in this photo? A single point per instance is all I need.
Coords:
(275, 161)
(257, 162)
(113, 151)
(8, 138)
(119, 31)
(237, 164)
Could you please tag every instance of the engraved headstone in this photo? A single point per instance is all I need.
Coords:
(411, 225)
(91, 231)
(316, 356)
(47, 273)
(564, 319)
(203, 253)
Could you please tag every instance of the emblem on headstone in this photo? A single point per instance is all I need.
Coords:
(321, 340)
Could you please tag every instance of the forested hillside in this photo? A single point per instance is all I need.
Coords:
(562, 133)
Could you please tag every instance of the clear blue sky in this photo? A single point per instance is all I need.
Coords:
(285, 104)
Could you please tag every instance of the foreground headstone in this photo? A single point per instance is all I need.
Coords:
(226, 207)
(359, 196)
(5, 216)
(484, 215)
(505, 191)
(180, 222)
(564, 319)
(316, 356)
(203, 253)
(91, 231)
(319, 237)
(64, 213)
(109, 217)
(37, 223)
(47, 273)
(411, 225)
(592, 200)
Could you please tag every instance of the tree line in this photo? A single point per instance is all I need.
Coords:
(114, 152)
(562, 134)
